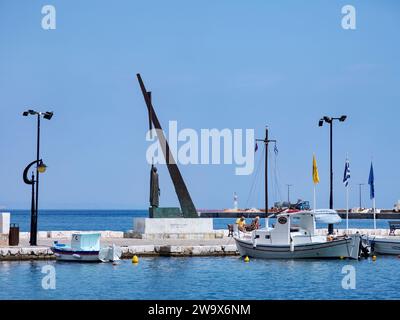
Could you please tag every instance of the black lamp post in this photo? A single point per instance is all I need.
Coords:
(330, 120)
(34, 181)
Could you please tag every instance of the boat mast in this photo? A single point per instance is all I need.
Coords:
(266, 172)
(266, 141)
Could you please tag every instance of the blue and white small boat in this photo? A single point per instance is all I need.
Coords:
(85, 247)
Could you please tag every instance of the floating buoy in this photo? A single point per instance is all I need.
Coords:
(135, 259)
(246, 259)
(341, 257)
(373, 258)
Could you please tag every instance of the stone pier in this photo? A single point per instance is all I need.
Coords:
(174, 247)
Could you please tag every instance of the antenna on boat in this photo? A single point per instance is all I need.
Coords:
(266, 141)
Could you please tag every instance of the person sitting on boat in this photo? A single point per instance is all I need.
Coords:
(255, 224)
(241, 223)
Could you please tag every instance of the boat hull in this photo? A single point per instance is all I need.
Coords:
(78, 256)
(388, 245)
(346, 248)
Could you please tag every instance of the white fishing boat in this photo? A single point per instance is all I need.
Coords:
(294, 237)
(85, 247)
(386, 244)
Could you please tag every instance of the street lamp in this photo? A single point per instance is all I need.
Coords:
(330, 121)
(40, 168)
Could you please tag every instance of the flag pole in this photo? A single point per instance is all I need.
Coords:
(315, 198)
(374, 208)
(347, 209)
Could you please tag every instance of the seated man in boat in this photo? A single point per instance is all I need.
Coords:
(255, 224)
(241, 223)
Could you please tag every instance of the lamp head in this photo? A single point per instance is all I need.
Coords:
(48, 115)
(343, 118)
(321, 122)
(41, 167)
(327, 119)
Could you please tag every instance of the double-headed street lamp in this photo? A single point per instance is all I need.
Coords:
(330, 120)
(34, 181)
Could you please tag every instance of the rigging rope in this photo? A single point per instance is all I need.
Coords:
(255, 180)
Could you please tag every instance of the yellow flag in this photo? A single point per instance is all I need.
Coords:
(315, 171)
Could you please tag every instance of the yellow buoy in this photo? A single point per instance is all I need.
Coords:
(341, 257)
(135, 259)
(373, 258)
(246, 259)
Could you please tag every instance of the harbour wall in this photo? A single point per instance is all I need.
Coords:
(224, 246)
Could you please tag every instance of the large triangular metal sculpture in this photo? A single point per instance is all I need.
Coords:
(185, 201)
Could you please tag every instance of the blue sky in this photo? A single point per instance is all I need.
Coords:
(210, 64)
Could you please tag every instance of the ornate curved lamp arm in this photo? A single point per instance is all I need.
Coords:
(25, 174)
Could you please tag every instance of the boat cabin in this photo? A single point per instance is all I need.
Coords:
(290, 228)
(86, 241)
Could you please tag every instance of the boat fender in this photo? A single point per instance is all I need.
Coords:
(291, 245)
(254, 240)
(76, 256)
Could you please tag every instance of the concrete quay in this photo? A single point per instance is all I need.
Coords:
(130, 246)
(172, 247)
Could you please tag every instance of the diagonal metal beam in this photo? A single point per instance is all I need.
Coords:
(185, 201)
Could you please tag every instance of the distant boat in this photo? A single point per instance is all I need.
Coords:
(85, 247)
(327, 216)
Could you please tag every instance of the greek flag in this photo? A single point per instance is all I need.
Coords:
(346, 177)
(371, 182)
(276, 149)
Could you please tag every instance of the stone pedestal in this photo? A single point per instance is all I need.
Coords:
(156, 212)
(4, 222)
(174, 228)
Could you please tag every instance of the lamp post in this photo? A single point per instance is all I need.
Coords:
(359, 186)
(330, 121)
(40, 168)
(288, 192)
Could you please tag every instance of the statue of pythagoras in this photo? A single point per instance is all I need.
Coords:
(154, 187)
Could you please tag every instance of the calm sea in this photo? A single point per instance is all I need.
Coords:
(190, 277)
(203, 278)
(122, 220)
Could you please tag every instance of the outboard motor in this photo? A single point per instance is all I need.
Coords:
(365, 249)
